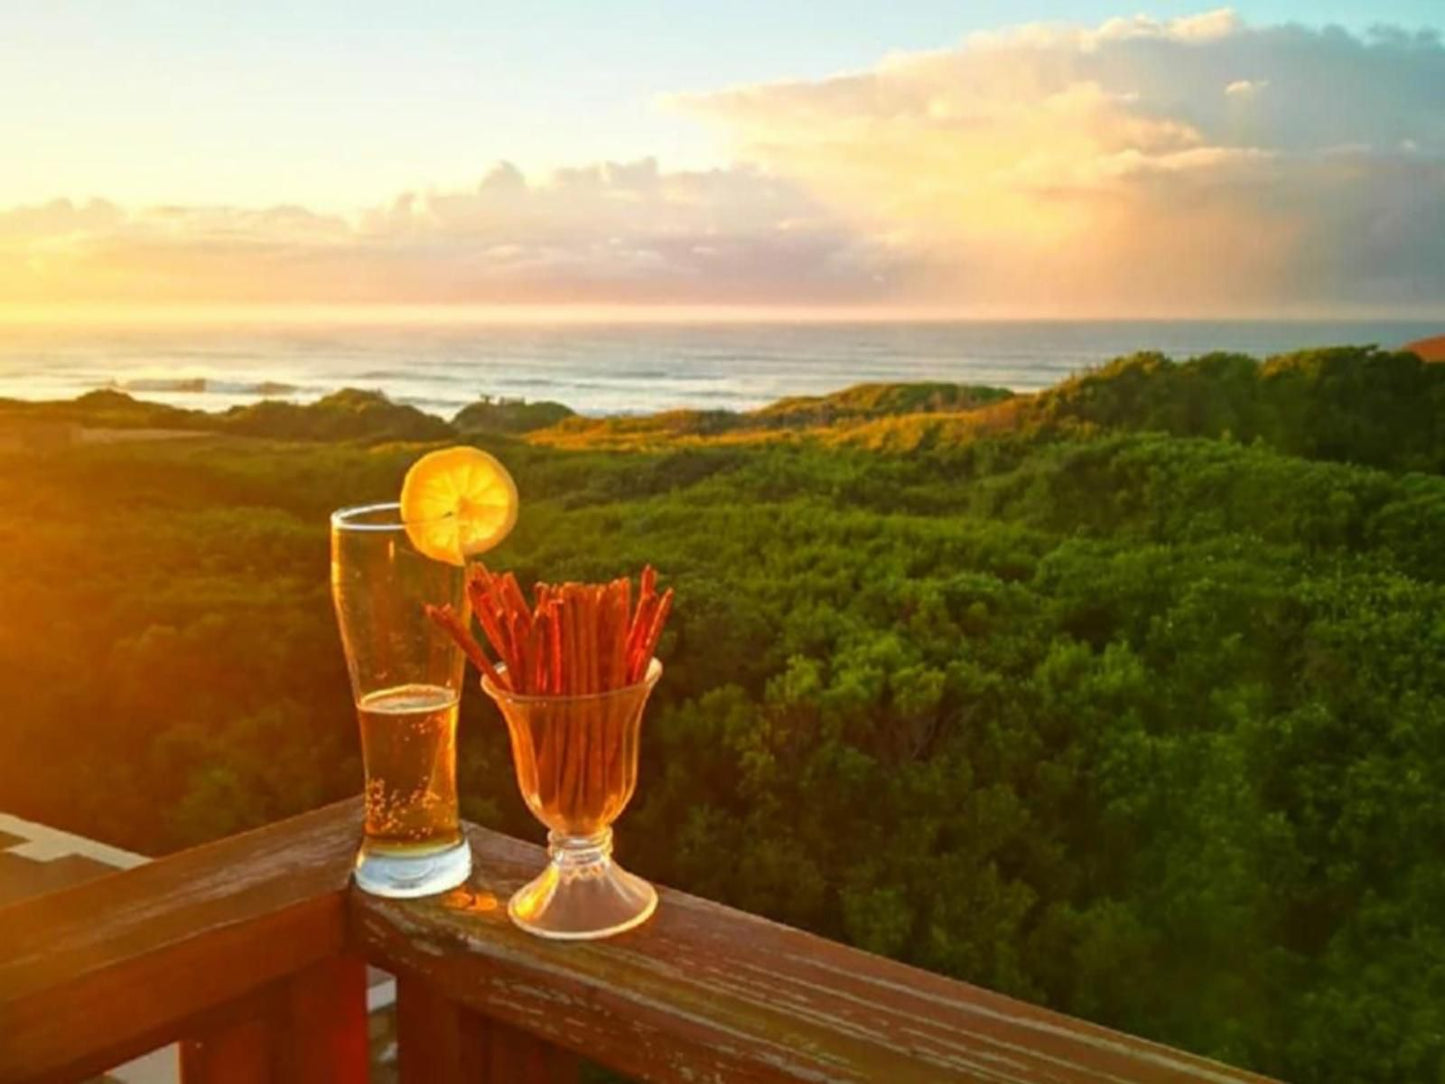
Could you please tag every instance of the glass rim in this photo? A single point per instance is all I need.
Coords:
(649, 679)
(342, 519)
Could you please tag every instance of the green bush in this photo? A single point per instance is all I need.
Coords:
(1135, 707)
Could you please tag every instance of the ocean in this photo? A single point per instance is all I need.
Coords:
(614, 368)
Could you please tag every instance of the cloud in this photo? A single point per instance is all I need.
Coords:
(1246, 88)
(56, 220)
(1197, 164)
(609, 233)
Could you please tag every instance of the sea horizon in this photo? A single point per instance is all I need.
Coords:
(606, 367)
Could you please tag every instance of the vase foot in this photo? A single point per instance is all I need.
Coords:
(582, 895)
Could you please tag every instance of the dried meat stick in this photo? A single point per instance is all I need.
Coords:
(596, 731)
(562, 643)
(616, 610)
(624, 616)
(544, 737)
(614, 723)
(535, 662)
(559, 641)
(554, 628)
(637, 643)
(549, 773)
(615, 720)
(573, 642)
(650, 644)
(576, 668)
(502, 603)
(539, 602)
(570, 788)
(487, 607)
(624, 593)
(574, 781)
(546, 769)
(641, 625)
(516, 602)
(618, 753)
(506, 649)
(483, 575)
(596, 759)
(596, 717)
(493, 630)
(541, 620)
(542, 665)
(646, 593)
(596, 727)
(606, 638)
(664, 607)
(477, 595)
(591, 646)
(647, 590)
(517, 660)
(445, 618)
(519, 648)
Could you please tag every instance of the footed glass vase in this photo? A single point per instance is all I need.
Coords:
(576, 762)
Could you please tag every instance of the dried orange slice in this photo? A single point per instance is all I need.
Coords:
(456, 503)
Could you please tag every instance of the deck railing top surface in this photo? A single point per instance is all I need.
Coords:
(96, 974)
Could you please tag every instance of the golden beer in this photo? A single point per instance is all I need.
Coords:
(408, 744)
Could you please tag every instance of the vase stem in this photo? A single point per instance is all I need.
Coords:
(580, 856)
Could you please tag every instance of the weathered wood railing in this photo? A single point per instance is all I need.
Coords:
(251, 953)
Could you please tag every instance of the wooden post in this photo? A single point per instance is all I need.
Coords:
(510, 1054)
(429, 1036)
(307, 1029)
(442, 1042)
(323, 1033)
(237, 1052)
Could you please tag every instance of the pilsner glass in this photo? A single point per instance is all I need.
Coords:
(406, 678)
(576, 762)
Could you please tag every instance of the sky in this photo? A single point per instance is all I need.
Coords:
(1057, 157)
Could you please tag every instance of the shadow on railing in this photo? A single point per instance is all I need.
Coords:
(252, 951)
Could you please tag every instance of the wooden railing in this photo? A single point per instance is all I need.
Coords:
(251, 952)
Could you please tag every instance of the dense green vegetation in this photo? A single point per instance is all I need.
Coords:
(509, 416)
(1360, 406)
(1127, 698)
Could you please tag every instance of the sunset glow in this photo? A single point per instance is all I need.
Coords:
(1203, 164)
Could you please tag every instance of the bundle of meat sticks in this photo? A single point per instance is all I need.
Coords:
(575, 750)
(575, 639)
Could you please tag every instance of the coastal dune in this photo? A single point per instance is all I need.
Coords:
(1431, 349)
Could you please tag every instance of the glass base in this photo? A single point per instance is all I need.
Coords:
(403, 875)
(582, 895)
